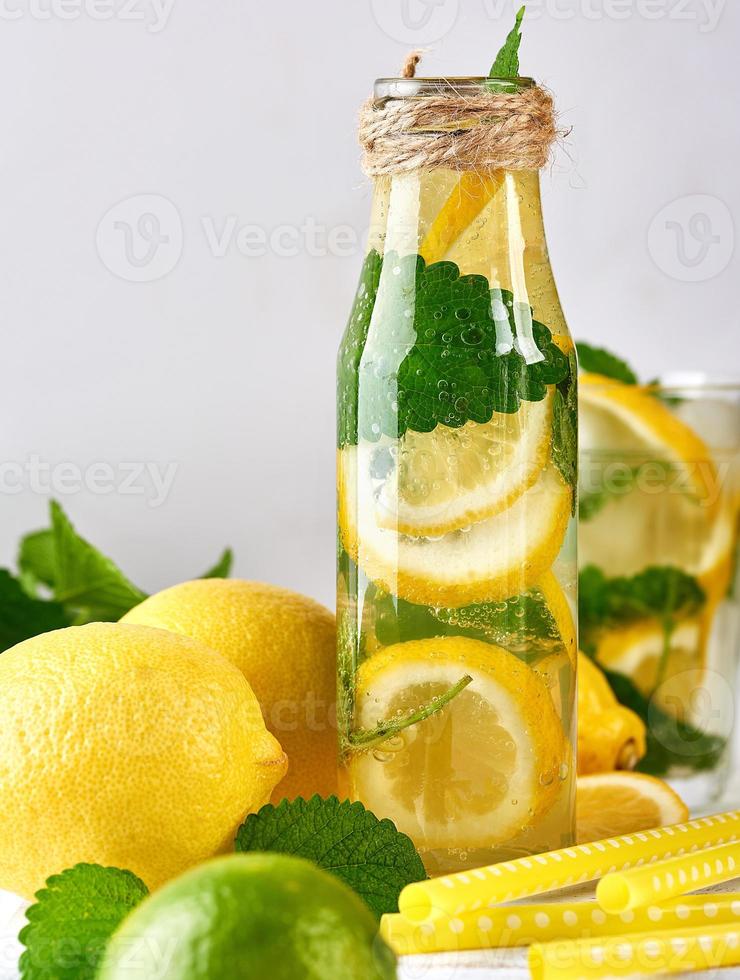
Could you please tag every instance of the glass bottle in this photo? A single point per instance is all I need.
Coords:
(456, 546)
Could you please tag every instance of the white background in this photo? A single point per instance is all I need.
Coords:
(223, 368)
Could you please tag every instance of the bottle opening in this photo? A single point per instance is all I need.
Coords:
(386, 89)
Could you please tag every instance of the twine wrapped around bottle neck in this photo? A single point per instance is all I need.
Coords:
(460, 129)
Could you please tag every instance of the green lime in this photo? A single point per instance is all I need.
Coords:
(262, 916)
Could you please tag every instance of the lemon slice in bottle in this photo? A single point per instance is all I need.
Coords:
(499, 557)
(431, 483)
(478, 771)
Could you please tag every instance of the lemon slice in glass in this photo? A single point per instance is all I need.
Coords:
(431, 483)
(499, 557)
(477, 772)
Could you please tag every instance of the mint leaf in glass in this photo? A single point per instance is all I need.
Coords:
(73, 918)
(565, 428)
(449, 351)
(368, 854)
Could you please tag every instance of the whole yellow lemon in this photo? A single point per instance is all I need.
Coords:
(128, 746)
(285, 644)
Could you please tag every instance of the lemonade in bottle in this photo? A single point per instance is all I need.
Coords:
(456, 482)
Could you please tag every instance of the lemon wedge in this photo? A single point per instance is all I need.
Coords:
(499, 557)
(481, 769)
(612, 803)
(431, 483)
(627, 418)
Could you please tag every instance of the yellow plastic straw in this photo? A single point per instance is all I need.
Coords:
(522, 925)
(674, 951)
(620, 891)
(486, 887)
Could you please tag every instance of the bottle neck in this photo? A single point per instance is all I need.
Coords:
(487, 224)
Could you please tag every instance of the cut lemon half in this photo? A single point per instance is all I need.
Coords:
(502, 556)
(431, 483)
(626, 418)
(480, 770)
(612, 803)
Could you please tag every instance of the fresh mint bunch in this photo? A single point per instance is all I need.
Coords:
(72, 920)
(368, 854)
(63, 580)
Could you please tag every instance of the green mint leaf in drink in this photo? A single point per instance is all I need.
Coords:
(73, 918)
(222, 568)
(84, 579)
(565, 427)
(460, 351)
(598, 360)
(23, 616)
(506, 63)
(368, 854)
(659, 591)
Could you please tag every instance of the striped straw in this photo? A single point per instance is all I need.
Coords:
(638, 953)
(510, 880)
(620, 891)
(521, 925)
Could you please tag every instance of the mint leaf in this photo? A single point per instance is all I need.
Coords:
(36, 560)
(84, 579)
(389, 728)
(669, 741)
(22, 616)
(598, 360)
(565, 428)
(506, 64)
(522, 624)
(222, 568)
(449, 351)
(368, 854)
(352, 346)
(659, 591)
(73, 918)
